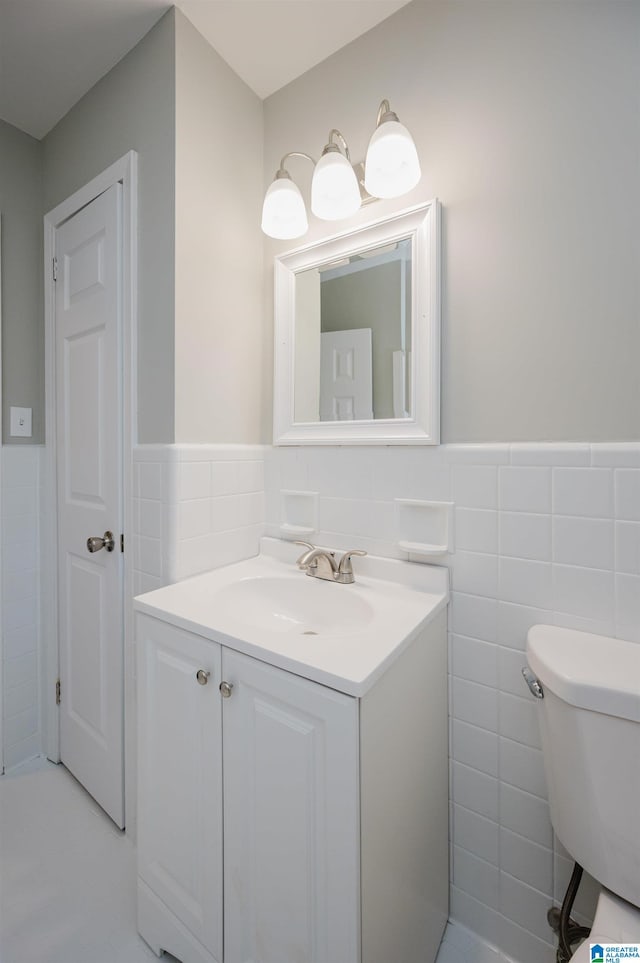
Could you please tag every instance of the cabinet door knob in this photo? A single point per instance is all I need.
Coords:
(202, 676)
(226, 689)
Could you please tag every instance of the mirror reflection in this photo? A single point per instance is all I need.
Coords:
(353, 337)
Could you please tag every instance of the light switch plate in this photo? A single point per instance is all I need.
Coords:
(20, 422)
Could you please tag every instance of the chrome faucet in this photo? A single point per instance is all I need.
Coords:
(322, 564)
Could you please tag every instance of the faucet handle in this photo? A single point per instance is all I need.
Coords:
(345, 568)
(309, 548)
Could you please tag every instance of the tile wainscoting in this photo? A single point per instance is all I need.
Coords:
(543, 533)
(20, 526)
(196, 507)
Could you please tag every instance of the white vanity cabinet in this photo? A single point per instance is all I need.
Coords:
(281, 820)
(179, 791)
(289, 863)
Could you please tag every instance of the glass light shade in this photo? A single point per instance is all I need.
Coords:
(283, 212)
(392, 167)
(335, 192)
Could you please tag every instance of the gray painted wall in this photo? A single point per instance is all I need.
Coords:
(133, 108)
(22, 286)
(219, 330)
(527, 121)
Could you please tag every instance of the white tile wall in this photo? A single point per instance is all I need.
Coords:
(19, 523)
(196, 507)
(544, 533)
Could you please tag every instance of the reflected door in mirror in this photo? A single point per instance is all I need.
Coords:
(346, 382)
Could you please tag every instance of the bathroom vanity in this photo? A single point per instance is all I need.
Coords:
(292, 758)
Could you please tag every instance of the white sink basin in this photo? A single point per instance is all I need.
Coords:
(295, 603)
(343, 636)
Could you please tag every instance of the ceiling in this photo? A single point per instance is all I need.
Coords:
(53, 51)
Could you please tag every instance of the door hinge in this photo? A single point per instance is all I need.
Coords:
(122, 543)
(58, 692)
(54, 268)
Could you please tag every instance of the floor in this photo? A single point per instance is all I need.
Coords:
(67, 879)
(67, 875)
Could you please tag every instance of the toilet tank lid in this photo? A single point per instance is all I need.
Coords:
(589, 671)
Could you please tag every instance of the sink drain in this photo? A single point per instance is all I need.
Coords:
(309, 632)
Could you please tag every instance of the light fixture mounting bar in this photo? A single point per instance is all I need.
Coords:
(365, 196)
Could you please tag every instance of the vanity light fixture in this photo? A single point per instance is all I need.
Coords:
(391, 169)
(284, 215)
(335, 191)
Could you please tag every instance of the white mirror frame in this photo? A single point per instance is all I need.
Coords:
(422, 225)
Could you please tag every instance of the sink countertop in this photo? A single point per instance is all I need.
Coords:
(398, 599)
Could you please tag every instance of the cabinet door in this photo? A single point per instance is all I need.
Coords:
(291, 870)
(180, 776)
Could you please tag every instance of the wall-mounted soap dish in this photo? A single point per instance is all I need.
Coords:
(424, 528)
(299, 513)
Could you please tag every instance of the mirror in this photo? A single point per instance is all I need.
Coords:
(357, 335)
(353, 337)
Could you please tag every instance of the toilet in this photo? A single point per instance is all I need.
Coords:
(588, 688)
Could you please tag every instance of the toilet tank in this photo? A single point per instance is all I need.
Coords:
(590, 731)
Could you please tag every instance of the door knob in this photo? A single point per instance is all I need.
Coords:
(95, 542)
(202, 676)
(225, 689)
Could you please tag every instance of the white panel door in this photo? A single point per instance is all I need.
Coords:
(291, 823)
(180, 776)
(346, 375)
(89, 484)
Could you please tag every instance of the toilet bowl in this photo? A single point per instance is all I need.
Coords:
(588, 688)
(615, 922)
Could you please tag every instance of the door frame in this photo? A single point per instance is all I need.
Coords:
(125, 172)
